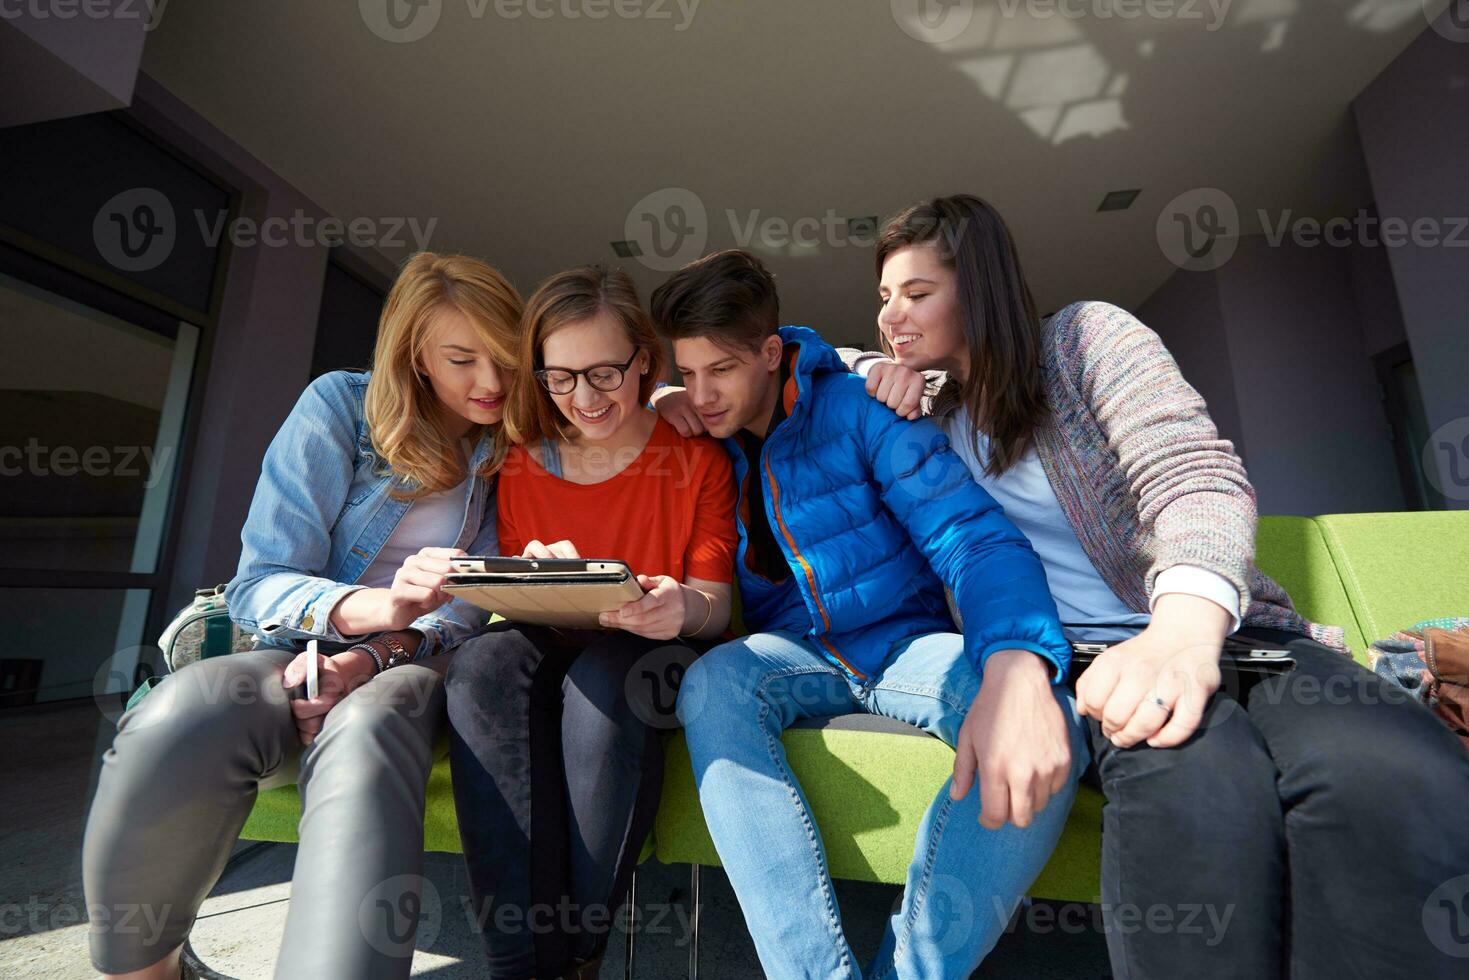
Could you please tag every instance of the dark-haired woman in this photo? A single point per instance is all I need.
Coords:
(1268, 823)
(555, 747)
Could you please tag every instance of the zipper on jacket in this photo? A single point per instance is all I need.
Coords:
(742, 515)
(805, 565)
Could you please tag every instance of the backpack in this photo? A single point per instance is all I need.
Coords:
(1432, 661)
(201, 629)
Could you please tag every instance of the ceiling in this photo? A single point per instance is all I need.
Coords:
(536, 141)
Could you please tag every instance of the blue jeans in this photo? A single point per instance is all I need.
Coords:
(964, 882)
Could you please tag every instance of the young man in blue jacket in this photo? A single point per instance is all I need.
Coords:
(852, 521)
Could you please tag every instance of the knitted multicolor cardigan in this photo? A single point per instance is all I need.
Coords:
(1138, 466)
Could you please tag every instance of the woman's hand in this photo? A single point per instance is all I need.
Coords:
(557, 549)
(417, 590)
(897, 387)
(1175, 659)
(659, 615)
(1015, 738)
(674, 406)
(339, 676)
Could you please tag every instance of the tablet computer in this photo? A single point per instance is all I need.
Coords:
(567, 592)
(1238, 655)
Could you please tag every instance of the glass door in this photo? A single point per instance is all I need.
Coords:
(92, 412)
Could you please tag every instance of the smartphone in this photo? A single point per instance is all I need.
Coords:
(311, 686)
(313, 671)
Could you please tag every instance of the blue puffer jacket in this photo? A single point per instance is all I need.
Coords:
(875, 515)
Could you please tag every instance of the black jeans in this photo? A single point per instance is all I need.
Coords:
(1300, 832)
(557, 767)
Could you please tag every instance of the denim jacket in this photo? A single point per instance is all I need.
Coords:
(321, 513)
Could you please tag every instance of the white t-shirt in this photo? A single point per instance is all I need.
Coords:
(431, 521)
(1082, 595)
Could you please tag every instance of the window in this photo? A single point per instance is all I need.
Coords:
(91, 420)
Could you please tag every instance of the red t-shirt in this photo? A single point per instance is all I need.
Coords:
(671, 511)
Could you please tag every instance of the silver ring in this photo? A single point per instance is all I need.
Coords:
(1160, 703)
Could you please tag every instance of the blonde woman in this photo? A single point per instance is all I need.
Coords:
(372, 483)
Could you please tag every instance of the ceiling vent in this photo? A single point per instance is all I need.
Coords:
(1119, 200)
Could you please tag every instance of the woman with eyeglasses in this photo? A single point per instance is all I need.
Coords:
(554, 747)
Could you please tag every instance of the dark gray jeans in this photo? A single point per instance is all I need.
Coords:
(1308, 830)
(558, 766)
(182, 776)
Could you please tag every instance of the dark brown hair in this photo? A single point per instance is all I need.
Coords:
(1005, 394)
(571, 297)
(726, 296)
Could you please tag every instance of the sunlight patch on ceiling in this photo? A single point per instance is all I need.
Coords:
(1383, 16)
(1060, 92)
(1275, 36)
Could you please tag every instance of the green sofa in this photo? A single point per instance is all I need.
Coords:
(869, 780)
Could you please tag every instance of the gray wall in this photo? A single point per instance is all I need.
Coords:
(1318, 439)
(1378, 306)
(261, 357)
(1414, 121)
(1274, 342)
(1186, 313)
(69, 65)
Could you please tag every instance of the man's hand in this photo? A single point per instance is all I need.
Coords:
(556, 549)
(1175, 659)
(897, 387)
(658, 615)
(1015, 738)
(340, 676)
(677, 410)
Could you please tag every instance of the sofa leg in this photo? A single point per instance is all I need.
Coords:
(190, 958)
(632, 924)
(694, 922)
(202, 970)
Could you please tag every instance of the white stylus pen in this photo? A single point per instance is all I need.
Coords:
(313, 673)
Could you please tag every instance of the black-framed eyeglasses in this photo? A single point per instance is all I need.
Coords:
(603, 377)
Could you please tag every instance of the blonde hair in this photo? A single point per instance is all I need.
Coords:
(574, 296)
(403, 414)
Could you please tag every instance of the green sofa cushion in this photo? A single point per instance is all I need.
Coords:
(1369, 573)
(1400, 569)
(278, 811)
(868, 791)
(1293, 551)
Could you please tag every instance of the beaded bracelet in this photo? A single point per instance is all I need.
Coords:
(371, 652)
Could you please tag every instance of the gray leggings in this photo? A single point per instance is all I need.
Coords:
(182, 775)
